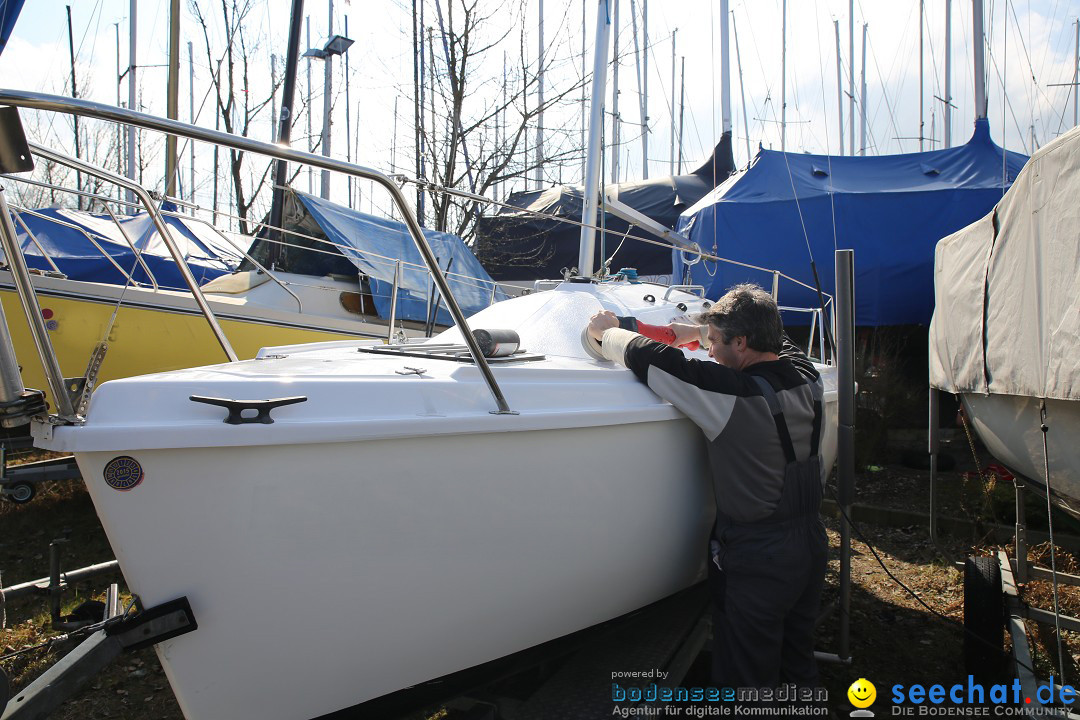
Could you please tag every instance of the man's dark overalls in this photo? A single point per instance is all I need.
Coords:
(767, 575)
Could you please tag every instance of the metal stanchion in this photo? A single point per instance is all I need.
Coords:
(845, 459)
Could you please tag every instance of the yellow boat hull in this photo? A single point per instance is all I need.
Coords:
(140, 340)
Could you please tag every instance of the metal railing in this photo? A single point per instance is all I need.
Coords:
(84, 108)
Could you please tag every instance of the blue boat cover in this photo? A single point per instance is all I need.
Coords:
(372, 244)
(891, 210)
(68, 237)
(9, 13)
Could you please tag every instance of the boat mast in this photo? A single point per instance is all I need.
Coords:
(645, 89)
(129, 195)
(584, 33)
(74, 94)
(682, 105)
(616, 120)
(862, 98)
(310, 170)
(591, 189)
(284, 131)
(839, 88)
(540, 102)
(725, 82)
(173, 101)
(948, 73)
(348, 116)
(851, 75)
(742, 90)
(922, 124)
(328, 80)
(273, 96)
(191, 119)
(671, 160)
(783, 78)
(980, 69)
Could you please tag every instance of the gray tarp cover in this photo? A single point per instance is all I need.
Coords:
(1007, 318)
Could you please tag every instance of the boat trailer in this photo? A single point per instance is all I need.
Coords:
(104, 642)
(992, 602)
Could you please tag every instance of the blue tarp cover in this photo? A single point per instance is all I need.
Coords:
(373, 243)
(62, 234)
(9, 13)
(891, 210)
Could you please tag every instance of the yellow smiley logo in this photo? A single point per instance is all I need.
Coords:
(862, 693)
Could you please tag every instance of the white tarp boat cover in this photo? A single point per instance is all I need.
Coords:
(1007, 318)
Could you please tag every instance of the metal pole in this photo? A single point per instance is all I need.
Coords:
(119, 128)
(948, 73)
(172, 110)
(131, 98)
(596, 118)
(845, 349)
(978, 41)
(74, 94)
(284, 131)
(191, 119)
(25, 289)
(348, 116)
(616, 120)
(742, 89)
(851, 75)
(682, 106)
(862, 97)
(645, 89)
(671, 160)
(783, 79)
(418, 102)
(328, 81)
(393, 302)
(540, 100)
(217, 127)
(273, 96)
(725, 71)
(1076, 70)
(922, 123)
(307, 41)
(839, 88)
(584, 38)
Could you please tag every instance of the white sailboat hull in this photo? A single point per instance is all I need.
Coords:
(387, 563)
(1010, 427)
(391, 529)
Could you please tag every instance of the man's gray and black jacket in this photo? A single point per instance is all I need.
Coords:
(745, 451)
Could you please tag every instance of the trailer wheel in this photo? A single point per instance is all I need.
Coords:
(22, 493)
(984, 618)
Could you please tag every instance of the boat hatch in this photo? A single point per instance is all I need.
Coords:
(447, 351)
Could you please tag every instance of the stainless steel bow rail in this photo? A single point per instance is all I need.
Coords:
(85, 108)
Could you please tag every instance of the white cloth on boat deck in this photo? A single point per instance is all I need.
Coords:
(1007, 315)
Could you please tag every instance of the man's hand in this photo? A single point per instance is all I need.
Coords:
(686, 334)
(601, 321)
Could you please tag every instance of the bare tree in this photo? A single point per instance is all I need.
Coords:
(239, 111)
(466, 155)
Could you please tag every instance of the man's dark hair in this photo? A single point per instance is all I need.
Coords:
(749, 311)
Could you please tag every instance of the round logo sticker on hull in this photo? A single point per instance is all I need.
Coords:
(123, 473)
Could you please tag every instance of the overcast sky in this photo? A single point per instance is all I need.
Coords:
(1030, 46)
